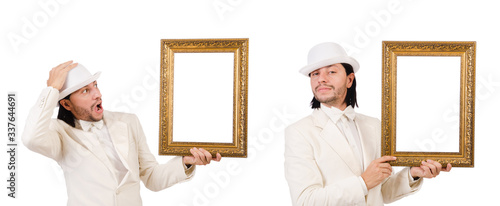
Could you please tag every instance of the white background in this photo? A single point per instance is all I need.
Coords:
(122, 39)
(432, 115)
(203, 85)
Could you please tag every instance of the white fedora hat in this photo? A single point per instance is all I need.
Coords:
(325, 54)
(77, 78)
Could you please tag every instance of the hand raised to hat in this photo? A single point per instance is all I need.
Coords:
(57, 75)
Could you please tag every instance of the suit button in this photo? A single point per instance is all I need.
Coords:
(41, 102)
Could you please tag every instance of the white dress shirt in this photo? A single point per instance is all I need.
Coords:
(348, 127)
(102, 135)
(345, 122)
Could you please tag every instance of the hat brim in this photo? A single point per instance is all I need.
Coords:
(311, 67)
(76, 87)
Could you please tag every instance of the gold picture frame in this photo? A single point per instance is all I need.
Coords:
(465, 53)
(238, 48)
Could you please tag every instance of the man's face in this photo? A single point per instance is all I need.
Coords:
(85, 103)
(329, 85)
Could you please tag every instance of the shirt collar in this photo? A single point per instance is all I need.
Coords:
(86, 125)
(335, 114)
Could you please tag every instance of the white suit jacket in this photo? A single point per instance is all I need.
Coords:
(321, 168)
(87, 170)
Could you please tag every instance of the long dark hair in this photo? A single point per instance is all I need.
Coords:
(66, 115)
(350, 98)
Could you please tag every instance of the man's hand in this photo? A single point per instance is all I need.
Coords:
(200, 157)
(429, 169)
(57, 75)
(377, 171)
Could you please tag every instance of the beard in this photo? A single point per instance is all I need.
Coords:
(86, 114)
(332, 99)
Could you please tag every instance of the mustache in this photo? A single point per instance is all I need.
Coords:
(99, 101)
(324, 85)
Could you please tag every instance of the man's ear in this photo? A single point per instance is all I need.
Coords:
(350, 79)
(66, 104)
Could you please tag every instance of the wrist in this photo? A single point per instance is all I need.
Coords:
(367, 184)
(415, 177)
(186, 165)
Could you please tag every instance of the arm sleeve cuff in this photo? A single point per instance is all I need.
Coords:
(363, 185)
(411, 179)
(188, 169)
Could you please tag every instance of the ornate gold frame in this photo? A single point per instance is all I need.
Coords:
(238, 147)
(467, 53)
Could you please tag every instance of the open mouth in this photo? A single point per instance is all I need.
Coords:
(98, 107)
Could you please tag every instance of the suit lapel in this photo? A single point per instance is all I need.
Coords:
(89, 141)
(336, 140)
(118, 132)
(79, 136)
(366, 132)
(119, 136)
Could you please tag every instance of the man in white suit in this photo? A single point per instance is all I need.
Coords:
(332, 157)
(104, 155)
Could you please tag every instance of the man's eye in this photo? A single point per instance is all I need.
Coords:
(332, 72)
(84, 91)
(95, 85)
(315, 74)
